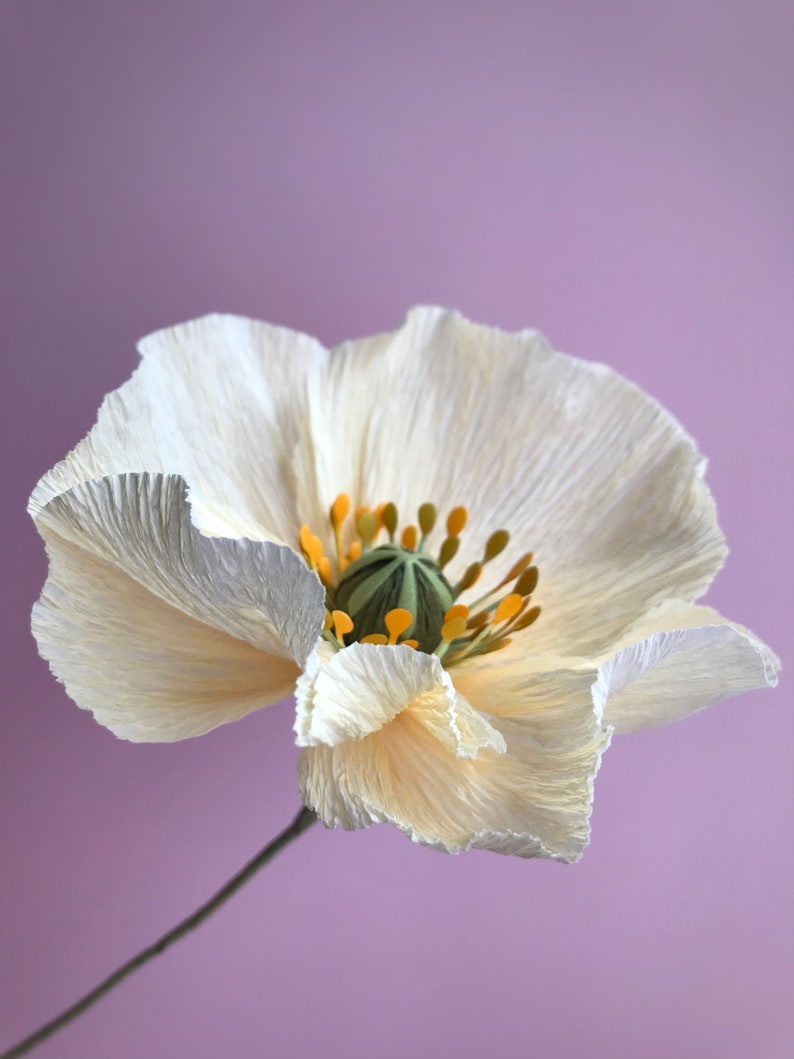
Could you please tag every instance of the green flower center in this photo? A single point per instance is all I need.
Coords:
(390, 577)
(397, 594)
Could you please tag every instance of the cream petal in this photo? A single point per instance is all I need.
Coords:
(680, 659)
(533, 800)
(221, 401)
(402, 416)
(454, 722)
(350, 694)
(581, 466)
(145, 669)
(258, 592)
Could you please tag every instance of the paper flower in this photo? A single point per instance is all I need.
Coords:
(471, 559)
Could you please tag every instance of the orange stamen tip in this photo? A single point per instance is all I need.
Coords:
(343, 623)
(508, 607)
(519, 567)
(328, 621)
(457, 520)
(452, 629)
(409, 538)
(315, 551)
(305, 537)
(374, 637)
(340, 509)
(458, 611)
(355, 551)
(410, 643)
(398, 621)
(324, 570)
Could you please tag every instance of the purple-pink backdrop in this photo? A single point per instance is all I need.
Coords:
(618, 175)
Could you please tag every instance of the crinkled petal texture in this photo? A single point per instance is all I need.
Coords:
(162, 632)
(166, 618)
(268, 427)
(678, 660)
(372, 756)
(674, 662)
(355, 692)
(221, 402)
(577, 463)
(515, 775)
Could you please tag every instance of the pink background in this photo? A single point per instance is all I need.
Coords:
(618, 175)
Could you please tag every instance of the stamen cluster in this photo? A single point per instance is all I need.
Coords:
(372, 577)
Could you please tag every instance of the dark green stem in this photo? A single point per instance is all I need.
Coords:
(302, 821)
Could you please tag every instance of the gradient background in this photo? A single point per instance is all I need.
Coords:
(618, 175)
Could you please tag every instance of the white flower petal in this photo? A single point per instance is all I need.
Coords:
(681, 659)
(146, 670)
(580, 465)
(402, 416)
(221, 401)
(352, 693)
(259, 592)
(167, 618)
(533, 800)
(454, 722)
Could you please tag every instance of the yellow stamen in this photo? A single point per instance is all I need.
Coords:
(496, 543)
(519, 566)
(470, 578)
(448, 551)
(324, 570)
(343, 624)
(312, 547)
(452, 629)
(480, 628)
(528, 582)
(390, 519)
(367, 526)
(508, 607)
(379, 517)
(397, 621)
(427, 518)
(316, 553)
(457, 520)
(339, 511)
(527, 619)
(515, 571)
(496, 646)
(409, 538)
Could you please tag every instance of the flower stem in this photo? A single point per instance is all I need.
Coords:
(302, 821)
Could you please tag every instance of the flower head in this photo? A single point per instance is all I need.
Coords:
(471, 558)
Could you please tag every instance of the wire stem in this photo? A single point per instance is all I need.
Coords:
(302, 821)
